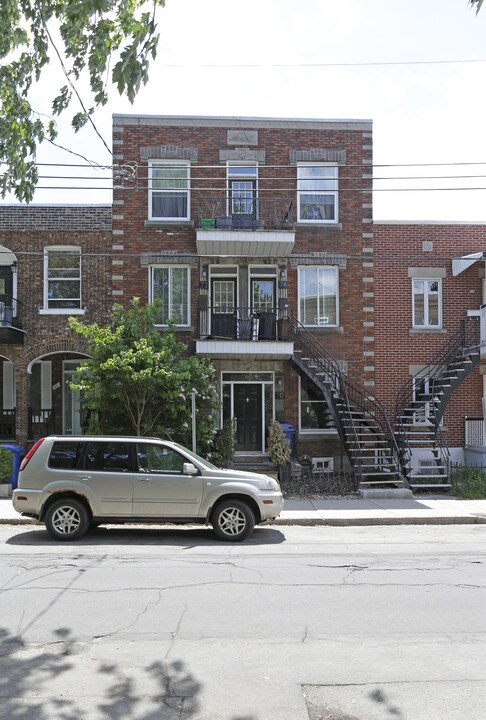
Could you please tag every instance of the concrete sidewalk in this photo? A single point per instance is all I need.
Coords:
(420, 510)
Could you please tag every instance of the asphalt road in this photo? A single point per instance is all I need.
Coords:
(296, 623)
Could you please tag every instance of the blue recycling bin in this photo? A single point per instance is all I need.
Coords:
(288, 431)
(17, 452)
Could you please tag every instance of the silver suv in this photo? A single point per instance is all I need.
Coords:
(72, 482)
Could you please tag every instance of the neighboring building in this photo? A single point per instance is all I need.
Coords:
(428, 318)
(54, 262)
(256, 235)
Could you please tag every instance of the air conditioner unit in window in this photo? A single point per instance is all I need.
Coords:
(325, 464)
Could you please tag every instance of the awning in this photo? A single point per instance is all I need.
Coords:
(242, 243)
(460, 264)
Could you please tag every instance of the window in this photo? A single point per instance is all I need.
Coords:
(169, 190)
(314, 410)
(242, 195)
(62, 279)
(317, 193)
(107, 456)
(427, 302)
(65, 455)
(318, 296)
(170, 285)
(159, 459)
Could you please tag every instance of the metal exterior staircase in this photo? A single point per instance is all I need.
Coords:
(362, 422)
(421, 404)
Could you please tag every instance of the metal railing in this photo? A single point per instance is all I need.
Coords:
(474, 435)
(41, 423)
(242, 323)
(213, 213)
(347, 390)
(8, 310)
(7, 424)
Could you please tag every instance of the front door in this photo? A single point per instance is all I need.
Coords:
(223, 308)
(248, 413)
(71, 409)
(263, 304)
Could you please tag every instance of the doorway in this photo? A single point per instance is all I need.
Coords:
(71, 401)
(248, 399)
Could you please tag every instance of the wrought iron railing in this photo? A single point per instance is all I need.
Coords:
(213, 213)
(41, 423)
(7, 424)
(242, 323)
(348, 391)
(9, 307)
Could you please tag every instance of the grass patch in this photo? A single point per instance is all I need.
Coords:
(469, 483)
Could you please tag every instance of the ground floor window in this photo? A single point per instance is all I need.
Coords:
(315, 414)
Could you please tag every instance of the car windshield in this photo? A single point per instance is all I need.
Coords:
(198, 458)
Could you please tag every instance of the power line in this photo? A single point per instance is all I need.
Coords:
(252, 66)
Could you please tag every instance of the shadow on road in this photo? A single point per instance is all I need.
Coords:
(35, 684)
(187, 537)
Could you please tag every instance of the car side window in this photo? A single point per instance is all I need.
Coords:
(159, 459)
(107, 457)
(65, 455)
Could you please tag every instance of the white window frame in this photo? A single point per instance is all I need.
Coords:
(169, 163)
(251, 176)
(312, 431)
(334, 193)
(151, 289)
(46, 310)
(318, 321)
(426, 324)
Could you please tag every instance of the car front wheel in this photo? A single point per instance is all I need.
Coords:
(233, 520)
(67, 520)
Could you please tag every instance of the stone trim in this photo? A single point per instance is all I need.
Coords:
(233, 123)
(169, 152)
(242, 154)
(317, 155)
(321, 258)
(147, 259)
(426, 273)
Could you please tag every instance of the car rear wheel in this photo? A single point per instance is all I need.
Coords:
(233, 520)
(67, 520)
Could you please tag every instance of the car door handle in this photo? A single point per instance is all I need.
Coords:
(83, 478)
(142, 480)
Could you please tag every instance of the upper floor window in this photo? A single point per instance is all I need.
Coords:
(169, 196)
(317, 193)
(170, 285)
(62, 279)
(242, 194)
(318, 296)
(427, 303)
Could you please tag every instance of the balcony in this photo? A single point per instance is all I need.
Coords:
(234, 332)
(256, 228)
(10, 330)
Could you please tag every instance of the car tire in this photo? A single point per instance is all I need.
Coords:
(67, 519)
(232, 520)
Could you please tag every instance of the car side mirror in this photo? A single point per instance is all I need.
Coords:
(189, 469)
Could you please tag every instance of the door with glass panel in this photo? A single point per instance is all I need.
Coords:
(71, 401)
(223, 308)
(242, 196)
(263, 306)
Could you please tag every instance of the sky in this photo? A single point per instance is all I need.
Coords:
(379, 60)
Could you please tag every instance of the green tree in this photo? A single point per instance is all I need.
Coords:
(139, 380)
(477, 4)
(82, 35)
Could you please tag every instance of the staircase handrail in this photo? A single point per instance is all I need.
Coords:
(348, 389)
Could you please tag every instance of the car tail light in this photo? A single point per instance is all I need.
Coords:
(30, 453)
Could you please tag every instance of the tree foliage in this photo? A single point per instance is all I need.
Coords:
(139, 380)
(84, 35)
(477, 4)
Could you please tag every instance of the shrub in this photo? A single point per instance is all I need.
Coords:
(5, 465)
(224, 444)
(278, 445)
(469, 483)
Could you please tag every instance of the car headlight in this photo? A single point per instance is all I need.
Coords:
(272, 484)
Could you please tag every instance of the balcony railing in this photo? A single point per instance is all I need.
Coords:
(41, 423)
(213, 213)
(242, 323)
(7, 424)
(8, 310)
(474, 432)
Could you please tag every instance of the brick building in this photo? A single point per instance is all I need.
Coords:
(428, 297)
(256, 236)
(54, 262)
